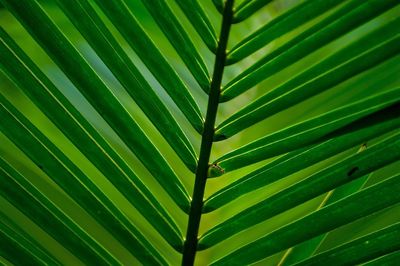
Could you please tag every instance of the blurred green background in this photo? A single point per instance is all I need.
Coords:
(368, 83)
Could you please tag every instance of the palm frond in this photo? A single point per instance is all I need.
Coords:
(339, 23)
(360, 250)
(17, 190)
(344, 211)
(106, 111)
(69, 177)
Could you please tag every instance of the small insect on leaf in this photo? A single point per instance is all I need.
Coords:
(214, 170)
(362, 148)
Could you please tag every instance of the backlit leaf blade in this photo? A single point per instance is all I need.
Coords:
(129, 76)
(74, 182)
(148, 52)
(15, 251)
(320, 71)
(339, 23)
(24, 196)
(178, 37)
(289, 96)
(247, 8)
(387, 260)
(297, 160)
(347, 210)
(44, 94)
(349, 169)
(196, 15)
(101, 98)
(360, 250)
(309, 131)
(288, 21)
(19, 248)
(219, 5)
(307, 249)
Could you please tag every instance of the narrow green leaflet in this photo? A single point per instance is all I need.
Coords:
(129, 76)
(285, 96)
(288, 21)
(219, 5)
(75, 183)
(248, 8)
(362, 249)
(307, 249)
(135, 84)
(24, 196)
(178, 37)
(345, 211)
(102, 99)
(94, 147)
(12, 239)
(326, 74)
(339, 23)
(156, 63)
(309, 131)
(118, 62)
(15, 250)
(380, 123)
(387, 260)
(347, 170)
(196, 15)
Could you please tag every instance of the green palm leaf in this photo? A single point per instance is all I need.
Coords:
(298, 160)
(360, 250)
(98, 151)
(347, 210)
(196, 15)
(321, 182)
(308, 42)
(17, 246)
(172, 29)
(105, 131)
(389, 259)
(54, 163)
(278, 27)
(38, 208)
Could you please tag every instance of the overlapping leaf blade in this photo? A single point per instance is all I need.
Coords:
(45, 95)
(148, 52)
(15, 250)
(178, 37)
(349, 17)
(288, 21)
(219, 5)
(102, 99)
(19, 248)
(292, 162)
(309, 131)
(72, 180)
(248, 8)
(308, 248)
(320, 72)
(365, 248)
(24, 196)
(333, 176)
(129, 76)
(390, 259)
(340, 213)
(196, 15)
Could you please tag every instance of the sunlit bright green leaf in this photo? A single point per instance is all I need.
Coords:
(342, 212)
